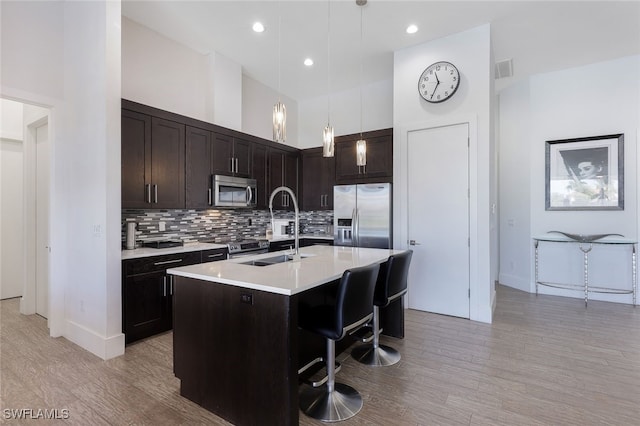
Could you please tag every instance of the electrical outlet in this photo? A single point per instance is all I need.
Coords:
(162, 226)
(97, 230)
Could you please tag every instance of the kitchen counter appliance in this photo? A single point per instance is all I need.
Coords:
(362, 215)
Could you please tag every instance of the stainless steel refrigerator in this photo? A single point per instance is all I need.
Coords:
(362, 215)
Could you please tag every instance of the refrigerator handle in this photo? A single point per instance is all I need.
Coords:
(356, 237)
(354, 230)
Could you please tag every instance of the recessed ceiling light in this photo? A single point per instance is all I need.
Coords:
(412, 29)
(258, 27)
(308, 62)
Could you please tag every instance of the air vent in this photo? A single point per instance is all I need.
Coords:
(504, 68)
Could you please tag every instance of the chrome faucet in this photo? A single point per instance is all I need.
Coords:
(295, 207)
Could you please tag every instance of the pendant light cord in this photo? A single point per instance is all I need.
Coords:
(279, 48)
(328, 63)
(361, 7)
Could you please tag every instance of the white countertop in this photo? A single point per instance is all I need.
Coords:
(323, 264)
(148, 252)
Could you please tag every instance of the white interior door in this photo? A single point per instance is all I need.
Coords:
(42, 221)
(438, 222)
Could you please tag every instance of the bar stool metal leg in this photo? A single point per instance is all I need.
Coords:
(332, 402)
(375, 354)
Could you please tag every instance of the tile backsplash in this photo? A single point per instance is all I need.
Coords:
(215, 225)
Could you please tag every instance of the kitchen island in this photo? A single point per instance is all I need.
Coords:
(235, 335)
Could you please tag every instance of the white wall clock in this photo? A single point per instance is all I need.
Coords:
(439, 82)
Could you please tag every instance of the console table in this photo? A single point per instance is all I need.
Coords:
(585, 244)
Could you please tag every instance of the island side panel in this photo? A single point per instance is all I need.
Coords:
(235, 351)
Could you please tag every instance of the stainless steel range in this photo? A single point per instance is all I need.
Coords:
(247, 248)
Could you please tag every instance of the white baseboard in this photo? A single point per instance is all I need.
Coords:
(101, 346)
(516, 282)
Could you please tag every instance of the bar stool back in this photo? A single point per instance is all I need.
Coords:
(391, 284)
(353, 307)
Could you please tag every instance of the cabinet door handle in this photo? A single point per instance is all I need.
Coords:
(164, 262)
(164, 286)
(155, 194)
(236, 165)
(148, 190)
(210, 201)
(211, 256)
(171, 285)
(231, 164)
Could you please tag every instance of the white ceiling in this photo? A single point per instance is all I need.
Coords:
(540, 36)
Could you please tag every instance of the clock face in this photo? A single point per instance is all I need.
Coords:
(439, 82)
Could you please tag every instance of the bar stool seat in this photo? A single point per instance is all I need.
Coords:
(332, 402)
(390, 285)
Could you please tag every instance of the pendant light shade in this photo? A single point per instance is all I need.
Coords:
(327, 141)
(327, 133)
(361, 152)
(279, 122)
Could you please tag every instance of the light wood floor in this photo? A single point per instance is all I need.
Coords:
(543, 361)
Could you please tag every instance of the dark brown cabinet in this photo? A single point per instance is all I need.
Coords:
(147, 291)
(379, 166)
(259, 173)
(318, 178)
(231, 156)
(153, 162)
(283, 171)
(199, 156)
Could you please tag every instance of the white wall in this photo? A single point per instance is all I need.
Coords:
(377, 112)
(257, 111)
(470, 51)
(11, 206)
(78, 43)
(515, 175)
(560, 105)
(162, 73)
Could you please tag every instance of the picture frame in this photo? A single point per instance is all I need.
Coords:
(585, 173)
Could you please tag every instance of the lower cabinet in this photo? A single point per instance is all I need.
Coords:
(147, 291)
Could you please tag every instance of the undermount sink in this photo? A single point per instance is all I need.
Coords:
(274, 260)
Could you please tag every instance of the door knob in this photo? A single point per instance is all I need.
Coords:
(413, 243)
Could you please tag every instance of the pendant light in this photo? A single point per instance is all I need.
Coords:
(327, 134)
(361, 145)
(279, 110)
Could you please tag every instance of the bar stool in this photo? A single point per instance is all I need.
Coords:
(391, 284)
(332, 402)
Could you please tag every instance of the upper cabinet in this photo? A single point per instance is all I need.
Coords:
(259, 171)
(168, 162)
(199, 155)
(231, 156)
(379, 166)
(283, 171)
(318, 178)
(153, 162)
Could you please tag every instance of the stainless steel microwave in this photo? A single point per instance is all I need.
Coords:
(230, 191)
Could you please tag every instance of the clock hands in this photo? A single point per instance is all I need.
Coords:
(437, 84)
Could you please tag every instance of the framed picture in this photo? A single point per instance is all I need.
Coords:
(585, 173)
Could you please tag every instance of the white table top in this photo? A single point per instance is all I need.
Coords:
(148, 252)
(323, 264)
